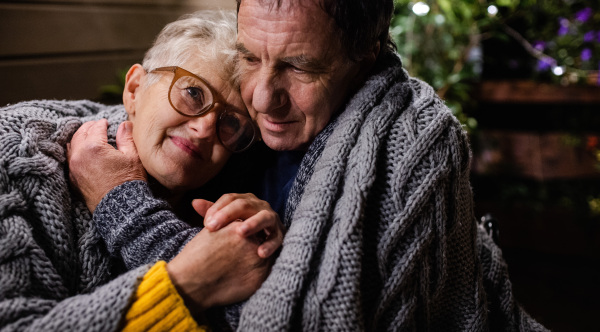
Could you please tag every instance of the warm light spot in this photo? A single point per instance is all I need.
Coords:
(420, 8)
(558, 70)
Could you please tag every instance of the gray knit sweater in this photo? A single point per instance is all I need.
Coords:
(55, 273)
(382, 234)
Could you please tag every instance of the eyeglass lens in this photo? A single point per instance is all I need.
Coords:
(192, 97)
(235, 131)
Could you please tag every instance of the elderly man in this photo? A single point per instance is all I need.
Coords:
(371, 175)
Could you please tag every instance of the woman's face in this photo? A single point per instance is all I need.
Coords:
(180, 152)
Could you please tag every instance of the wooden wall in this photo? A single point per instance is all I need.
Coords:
(68, 49)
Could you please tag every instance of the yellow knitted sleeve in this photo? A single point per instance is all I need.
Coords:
(158, 307)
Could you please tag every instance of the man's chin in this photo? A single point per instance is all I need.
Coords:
(282, 143)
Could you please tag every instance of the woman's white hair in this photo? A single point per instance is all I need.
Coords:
(209, 35)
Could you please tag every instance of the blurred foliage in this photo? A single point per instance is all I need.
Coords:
(440, 41)
(565, 35)
(113, 93)
(447, 44)
(442, 46)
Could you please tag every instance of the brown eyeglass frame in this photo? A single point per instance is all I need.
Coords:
(180, 72)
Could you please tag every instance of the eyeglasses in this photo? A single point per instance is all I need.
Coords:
(190, 95)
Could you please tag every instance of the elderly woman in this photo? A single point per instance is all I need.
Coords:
(184, 114)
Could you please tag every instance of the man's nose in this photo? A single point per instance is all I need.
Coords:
(205, 126)
(269, 92)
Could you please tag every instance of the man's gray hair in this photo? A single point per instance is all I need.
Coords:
(207, 34)
(361, 23)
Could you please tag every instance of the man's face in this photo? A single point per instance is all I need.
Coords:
(294, 72)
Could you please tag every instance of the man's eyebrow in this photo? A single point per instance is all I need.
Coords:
(305, 63)
(301, 61)
(242, 49)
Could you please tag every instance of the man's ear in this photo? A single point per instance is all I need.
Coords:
(368, 60)
(133, 82)
(365, 65)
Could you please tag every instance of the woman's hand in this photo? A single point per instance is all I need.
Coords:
(260, 221)
(218, 268)
(95, 167)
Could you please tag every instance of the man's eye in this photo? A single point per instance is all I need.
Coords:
(299, 70)
(250, 60)
(196, 94)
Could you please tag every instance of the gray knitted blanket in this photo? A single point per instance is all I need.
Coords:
(55, 274)
(382, 234)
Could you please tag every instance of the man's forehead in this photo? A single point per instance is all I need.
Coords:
(306, 37)
(303, 17)
(287, 5)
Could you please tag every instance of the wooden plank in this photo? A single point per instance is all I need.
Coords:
(58, 29)
(529, 92)
(199, 4)
(534, 155)
(65, 78)
(67, 49)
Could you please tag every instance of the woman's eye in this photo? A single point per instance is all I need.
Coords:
(195, 94)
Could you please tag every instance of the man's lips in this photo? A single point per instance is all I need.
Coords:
(187, 146)
(276, 125)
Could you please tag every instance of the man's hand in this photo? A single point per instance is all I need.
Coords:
(218, 268)
(95, 167)
(260, 221)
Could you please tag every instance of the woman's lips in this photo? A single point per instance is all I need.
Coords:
(187, 146)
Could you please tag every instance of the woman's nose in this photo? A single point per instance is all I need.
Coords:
(205, 126)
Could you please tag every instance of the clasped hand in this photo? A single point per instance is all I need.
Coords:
(224, 263)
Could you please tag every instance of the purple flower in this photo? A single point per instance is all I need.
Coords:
(584, 14)
(589, 36)
(545, 64)
(563, 30)
(539, 45)
(598, 38)
(586, 54)
(564, 26)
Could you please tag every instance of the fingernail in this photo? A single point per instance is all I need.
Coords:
(210, 223)
(263, 252)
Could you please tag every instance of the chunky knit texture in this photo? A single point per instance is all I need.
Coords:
(382, 234)
(139, 229)
(55, 274)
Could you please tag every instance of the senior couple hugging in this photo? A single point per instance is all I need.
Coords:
(130, 217)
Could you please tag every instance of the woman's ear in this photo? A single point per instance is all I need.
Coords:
(132, 90)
